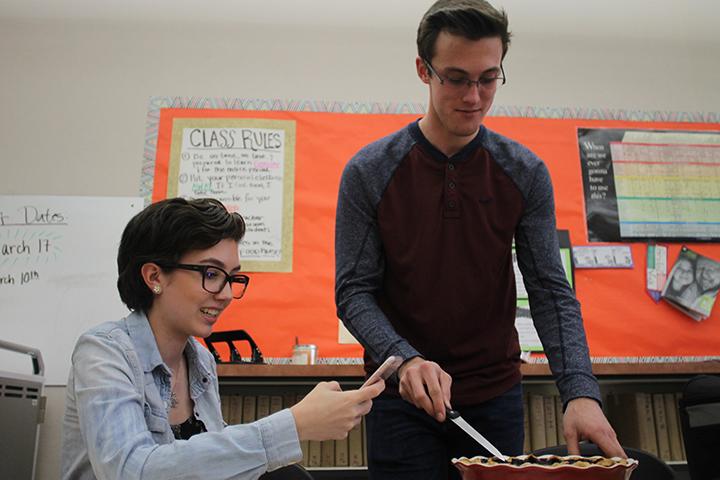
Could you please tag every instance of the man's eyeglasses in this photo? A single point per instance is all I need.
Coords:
(461, 84)
(214, 279)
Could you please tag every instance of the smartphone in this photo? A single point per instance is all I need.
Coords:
(384, 371)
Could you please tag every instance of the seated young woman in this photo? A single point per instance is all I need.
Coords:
(142, 394)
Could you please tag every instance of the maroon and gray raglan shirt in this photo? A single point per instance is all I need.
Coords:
(423, 253)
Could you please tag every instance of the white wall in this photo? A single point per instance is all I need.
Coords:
(74, 93)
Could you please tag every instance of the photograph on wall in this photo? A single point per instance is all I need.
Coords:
(693, 284)
(650, 184)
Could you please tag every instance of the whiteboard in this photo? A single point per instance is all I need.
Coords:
(58, 274)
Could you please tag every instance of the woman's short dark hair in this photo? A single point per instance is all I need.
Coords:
(471, 19)
(164, 232)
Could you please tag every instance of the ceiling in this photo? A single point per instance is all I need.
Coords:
(693, 21)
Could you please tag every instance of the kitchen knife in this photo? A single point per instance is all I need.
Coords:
(454, 415)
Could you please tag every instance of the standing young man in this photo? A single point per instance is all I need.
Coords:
(425, 223)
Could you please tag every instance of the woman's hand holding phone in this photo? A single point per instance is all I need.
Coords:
(388, 367)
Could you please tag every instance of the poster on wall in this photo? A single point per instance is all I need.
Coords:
(248, 164)
(650, 184)
(527, 334)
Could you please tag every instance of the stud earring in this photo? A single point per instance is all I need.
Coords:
(156, 289)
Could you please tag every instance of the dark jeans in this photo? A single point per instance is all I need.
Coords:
(405, 443)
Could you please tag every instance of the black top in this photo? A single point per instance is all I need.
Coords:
(191, 426)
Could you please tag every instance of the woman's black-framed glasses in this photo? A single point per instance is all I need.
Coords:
(214, 278)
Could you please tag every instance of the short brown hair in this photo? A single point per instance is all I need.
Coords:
(163, 232)
(472, 19)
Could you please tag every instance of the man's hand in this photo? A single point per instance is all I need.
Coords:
(425, 385)
(584, 419)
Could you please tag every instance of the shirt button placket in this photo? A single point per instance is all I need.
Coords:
(451, 209)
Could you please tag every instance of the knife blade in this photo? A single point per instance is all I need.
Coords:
(455, 417)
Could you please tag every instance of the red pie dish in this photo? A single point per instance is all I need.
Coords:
(551, 467)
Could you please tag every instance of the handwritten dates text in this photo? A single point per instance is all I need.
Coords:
(21, 278)
(22, 247)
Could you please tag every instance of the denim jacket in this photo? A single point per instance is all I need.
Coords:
(116, 422)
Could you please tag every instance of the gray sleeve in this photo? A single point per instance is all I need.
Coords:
(360, 266)
(554, 308)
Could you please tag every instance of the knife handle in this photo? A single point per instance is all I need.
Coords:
(452, 414)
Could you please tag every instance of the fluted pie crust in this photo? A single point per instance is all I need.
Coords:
(548, 461)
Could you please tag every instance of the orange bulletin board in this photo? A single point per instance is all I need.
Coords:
(621, 319)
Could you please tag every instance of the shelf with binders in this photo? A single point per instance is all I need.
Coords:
(640, 399)
(231, 373)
